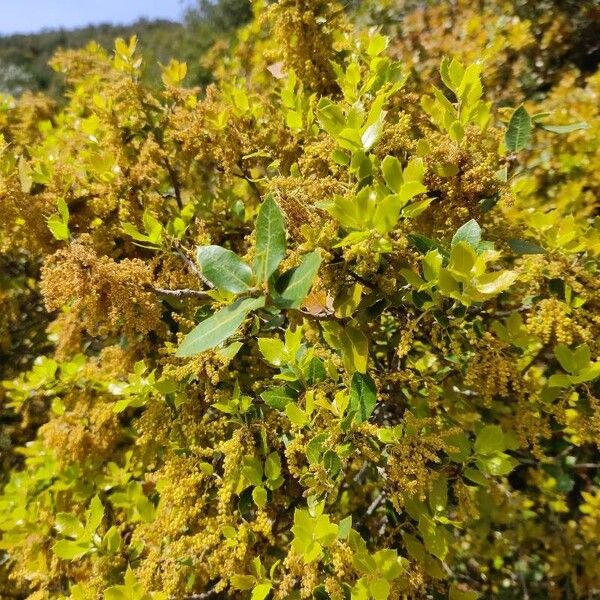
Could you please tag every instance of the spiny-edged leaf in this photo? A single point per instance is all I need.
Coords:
(519, 130)
(217, 328)
(293, 286)
(224, 269)
(363, 396)
(270, 239)
(470, 232)
(565, 128)
(524, 247)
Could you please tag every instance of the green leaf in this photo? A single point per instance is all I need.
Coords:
(566, 358)
(330, 116)
(278, 398)
(433, 536)
(438, 495)
(59, 223)
(315, 448)
(470, 232)
(112, 540)
(71, 550)
(252, 470)
(259, 495)
(270, 239)
(565, 128)
(458, 594)
(116, 592)
(273, 466)
(377, 44)
(217, 328)
(332, 463)
(131, 230)
(261, 591)
(495, 282)
(69, 525)
(242, 582)
(392, 173)
(460, 447)
(524, 247)
(372, 134)
(490, 439)
(296, 415)
(519, 130)
(497, 464)
(224, 269)
(351, 342)
(95, 514)
(379, 589)
(344, 527)
(273, 350)
(294, 285)
(476, 476)
(363, 396)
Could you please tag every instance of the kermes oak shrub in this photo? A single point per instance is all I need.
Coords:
(328, 329)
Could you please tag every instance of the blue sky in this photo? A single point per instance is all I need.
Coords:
(26, 16)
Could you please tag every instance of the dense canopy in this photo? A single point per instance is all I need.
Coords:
(326, 328)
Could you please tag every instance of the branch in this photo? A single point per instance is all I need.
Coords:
(191, 265)
(203, 595)
(175, 182)
(181, 293)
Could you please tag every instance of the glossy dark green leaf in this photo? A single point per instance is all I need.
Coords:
(519, 130)
(224, 269)
(293, 286)
(565, 128)
(278, 398)
(524, 247)
(217, 328)
(470, 232)
(363, 396)
(270, 239)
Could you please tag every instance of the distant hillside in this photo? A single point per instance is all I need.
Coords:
(24, 57)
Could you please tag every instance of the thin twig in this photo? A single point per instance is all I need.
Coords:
(374, 504)
(181, 293)
(203, 595)
(175, 183)
(191, 265)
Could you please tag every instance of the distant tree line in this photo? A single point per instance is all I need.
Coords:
(24, 57)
